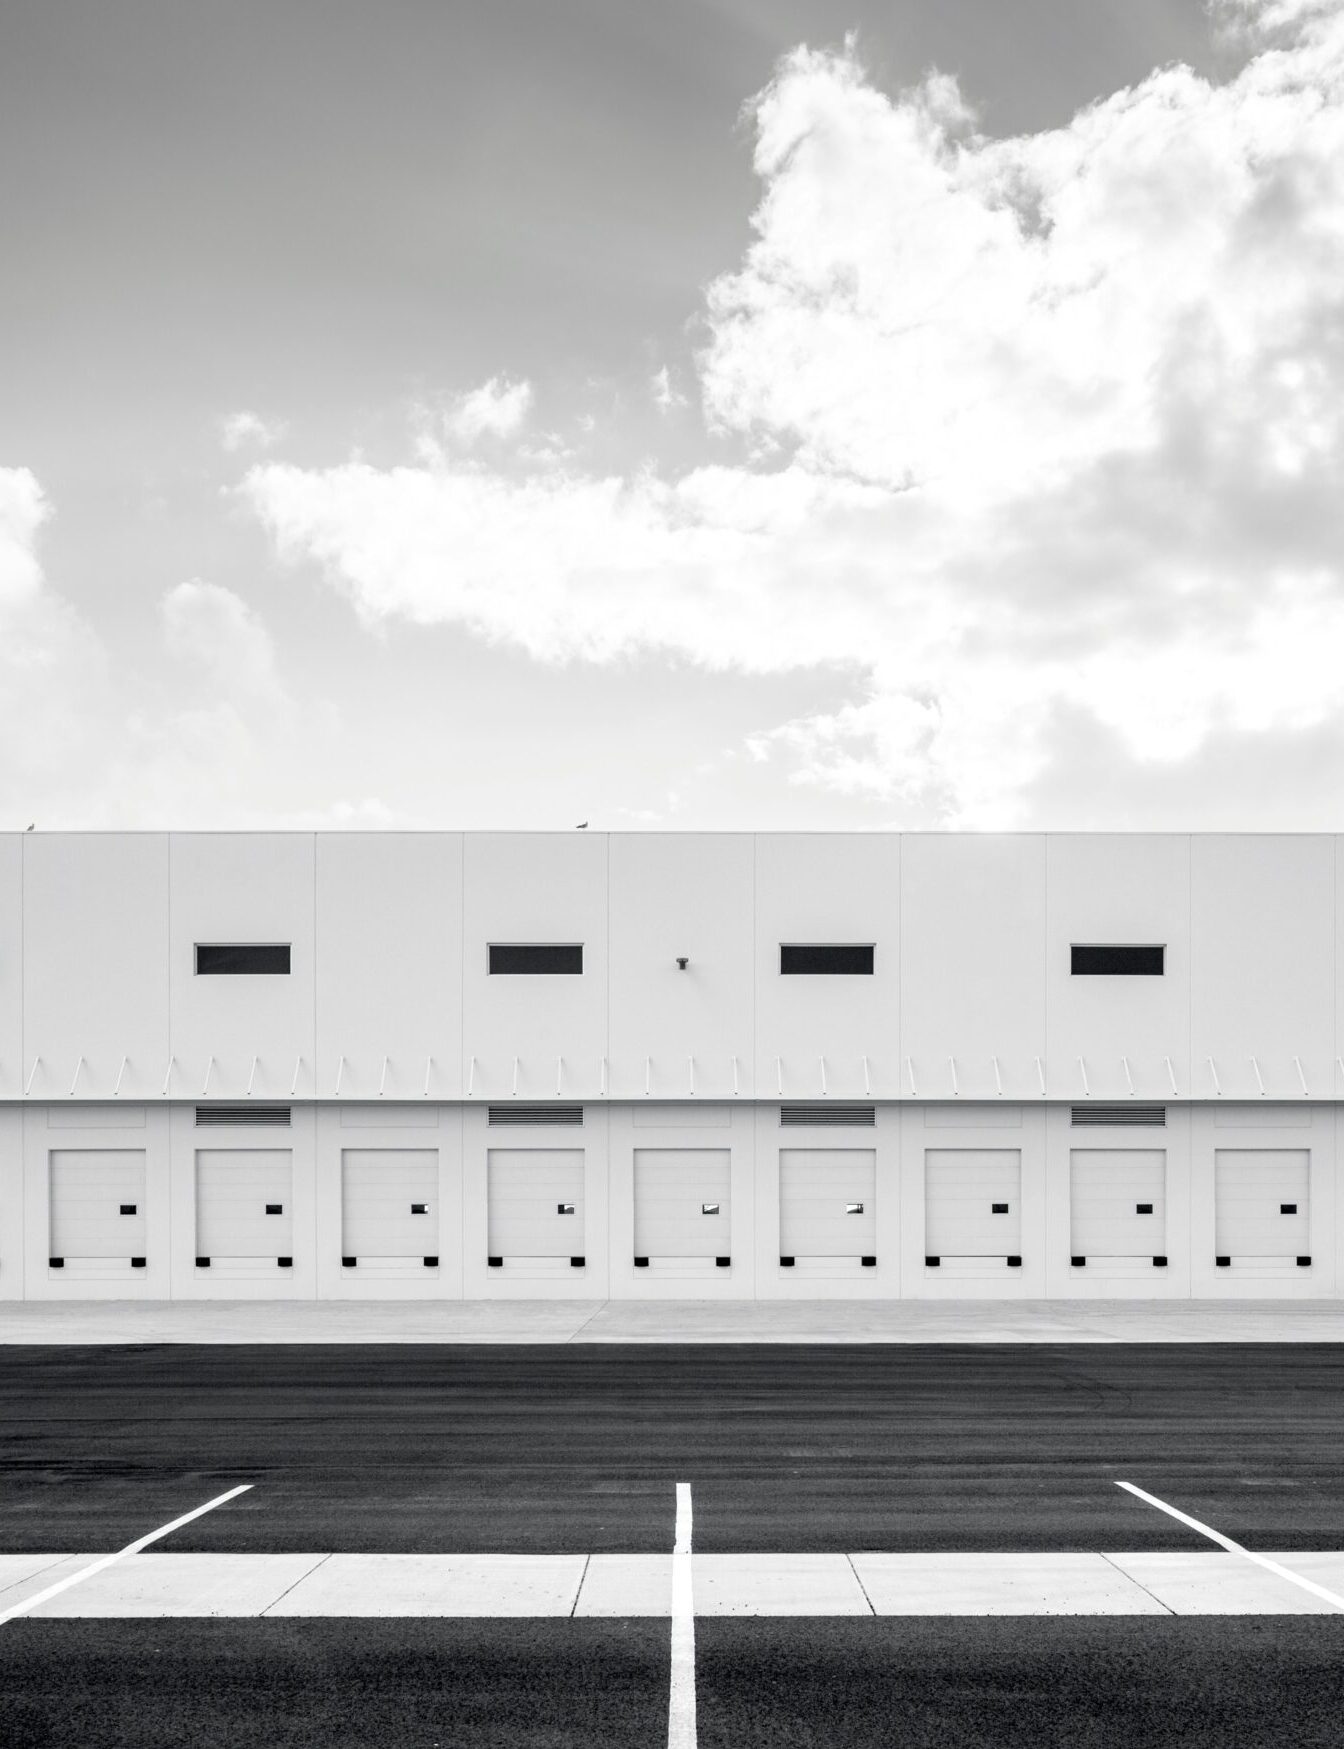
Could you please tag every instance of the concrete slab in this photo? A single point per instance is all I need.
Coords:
(1000, 1584)
(183, 1585)
(52, 1568)
(1222, 1584)
(626, 1585)
(14, 1569)
(100, 1323)
(777, 1585)
(438, 1585)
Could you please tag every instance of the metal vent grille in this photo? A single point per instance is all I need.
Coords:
(242, 1114)
(833, 1116)
(1119, 1116)
(535, 1114)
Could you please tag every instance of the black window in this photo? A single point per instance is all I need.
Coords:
(838, 958)
(1117, 959)
(229, 958)
(521, 958)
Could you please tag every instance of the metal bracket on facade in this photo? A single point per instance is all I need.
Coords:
(78, 1066)
(559, 1074)
(1082, 1070)
(294, 1084)
(471, 1078)
(602, 1086)
(1217, 1086)
(822, 1061)
(690, 1071)
(167, 1077)
(252, 1077)
(867, 1087)
(209, 1071)
(1297, 1062)
(116, 1086)
(382, 1079)
(515, 1078)
(1040, 1075)
(952, 1064)
(734, 1077)
(1259, 1078)
(429, 1064)
(1171, 1075)
(910, 1071)
(998, 1079)
(28, 1087)
(779, 1077)
(340, 1071)
(1128, 1077)
(648, 1076)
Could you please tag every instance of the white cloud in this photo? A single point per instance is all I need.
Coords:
(248, 430)
(216, 631)
(23, 510)
(498, 409)
(1055, 427)
(665, 397)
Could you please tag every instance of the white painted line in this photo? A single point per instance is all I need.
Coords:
(681, 1694)
(1236, 1548)
(98, 1566)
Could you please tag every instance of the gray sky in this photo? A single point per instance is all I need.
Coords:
(505, 414)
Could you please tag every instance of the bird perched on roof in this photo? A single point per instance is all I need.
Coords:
(582, 826)
(29, 828)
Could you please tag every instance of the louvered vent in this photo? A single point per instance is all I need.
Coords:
(534, 1114)
(1120, 1116)
(830, 1116)
(254, 1115)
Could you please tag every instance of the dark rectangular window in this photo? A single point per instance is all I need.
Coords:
(231, 958)
(1117, 959)
(836, 958)
(530, 958)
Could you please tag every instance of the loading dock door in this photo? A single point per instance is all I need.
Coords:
(682, 1202)
(535, 1202)
(389, 1202)
(1261, 1206)
(244, 1202)
(97, 1202)
(1118, 1202)
(972, 1202)
(828, 1202)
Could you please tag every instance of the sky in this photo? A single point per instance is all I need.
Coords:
(736, 414)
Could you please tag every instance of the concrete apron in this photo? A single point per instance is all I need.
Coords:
(347, 1585)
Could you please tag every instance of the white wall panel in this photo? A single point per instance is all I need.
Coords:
(534, 887)
(1262, 965)
(389, 964)
(675, 1031)
(972, 958)
(1112, 888)
(828, 887)
(95, 956)
(242, 887)
(13, 1072)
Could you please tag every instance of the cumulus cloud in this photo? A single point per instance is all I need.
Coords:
(1047, 430)
(215, 630)
(665, 397)
(248, 430)
(498, 409)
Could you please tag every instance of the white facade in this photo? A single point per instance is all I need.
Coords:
(391, 1117)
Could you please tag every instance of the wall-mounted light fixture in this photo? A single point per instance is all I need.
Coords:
(683, 960)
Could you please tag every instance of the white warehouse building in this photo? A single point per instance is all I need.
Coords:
(643, 1066)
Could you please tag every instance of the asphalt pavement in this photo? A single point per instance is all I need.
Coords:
(556, 1450)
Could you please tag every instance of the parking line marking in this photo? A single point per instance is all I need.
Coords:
(681, 1691)
(105, 1561)
(1236, 1548)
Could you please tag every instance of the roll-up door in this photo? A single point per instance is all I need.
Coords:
(535, 1202)
(1118, 1202)
(972, 1202)
(244, 1205)
(97, 1203)
(389, 1202)
(1261, 1206)
(828, 1202)
(682, 1202)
